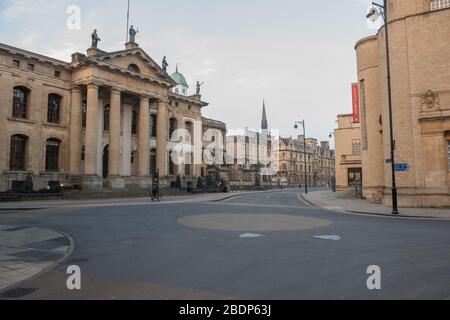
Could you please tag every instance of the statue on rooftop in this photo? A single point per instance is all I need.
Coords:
(133, 33)
(199, 87)
(95, 39)
(165, 64)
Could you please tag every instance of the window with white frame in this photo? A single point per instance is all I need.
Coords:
(440, 4)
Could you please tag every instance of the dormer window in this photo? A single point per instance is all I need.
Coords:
(134, 68)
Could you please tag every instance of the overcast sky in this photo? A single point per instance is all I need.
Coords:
(297, 54)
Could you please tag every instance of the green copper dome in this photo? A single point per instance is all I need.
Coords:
(179, 78)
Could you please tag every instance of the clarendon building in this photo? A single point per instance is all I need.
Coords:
(420, 69)
(102, 120)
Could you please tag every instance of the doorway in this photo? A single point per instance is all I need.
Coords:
(106, 162)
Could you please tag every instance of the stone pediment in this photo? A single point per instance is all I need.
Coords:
(121, 60)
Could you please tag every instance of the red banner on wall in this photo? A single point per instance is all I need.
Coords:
(355, 95)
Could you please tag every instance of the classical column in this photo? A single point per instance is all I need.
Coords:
(161, 140)
(144, 141)
(91, 180)
(114, 179)
(75, 132)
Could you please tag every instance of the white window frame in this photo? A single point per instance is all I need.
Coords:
(439, 4)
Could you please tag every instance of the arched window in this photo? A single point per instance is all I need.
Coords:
(20, 102)
(52, 155)
(17, 154)
(173, 125)
(134, 68)
(54, 107)
(106, 112)
(83, 114)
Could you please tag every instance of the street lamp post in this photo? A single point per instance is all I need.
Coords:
(374, 14)
(302, 123)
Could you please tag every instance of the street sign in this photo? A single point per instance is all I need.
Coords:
(402, 167)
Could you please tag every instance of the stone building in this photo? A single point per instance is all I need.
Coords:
(103, 120)
(348, 152)
(320, 162)
(287, 155)
(420, 70)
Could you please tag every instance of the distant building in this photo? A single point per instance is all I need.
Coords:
(320, 162)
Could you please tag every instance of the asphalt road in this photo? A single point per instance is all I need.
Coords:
(259, 246)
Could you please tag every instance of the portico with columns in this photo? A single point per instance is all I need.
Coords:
(116, 101)
(101, 121)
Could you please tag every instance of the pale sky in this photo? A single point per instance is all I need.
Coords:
(298, 55)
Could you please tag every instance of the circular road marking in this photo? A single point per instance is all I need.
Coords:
(253, 222)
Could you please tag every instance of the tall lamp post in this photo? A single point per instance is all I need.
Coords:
(375, 12)
(302, 123)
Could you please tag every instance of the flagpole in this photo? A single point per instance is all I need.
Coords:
(128, 19)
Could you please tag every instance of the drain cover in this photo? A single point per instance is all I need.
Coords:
(17, 292)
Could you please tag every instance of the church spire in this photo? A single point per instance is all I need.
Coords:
(264, 124)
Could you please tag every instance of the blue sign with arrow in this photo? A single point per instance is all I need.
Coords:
(402, 167)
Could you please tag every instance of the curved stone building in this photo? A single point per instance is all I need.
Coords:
(420, 70)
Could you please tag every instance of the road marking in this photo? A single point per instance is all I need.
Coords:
(333, 237)
(250, 235)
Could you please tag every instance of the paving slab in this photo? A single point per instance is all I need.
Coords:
(335, 201)
(26, 252)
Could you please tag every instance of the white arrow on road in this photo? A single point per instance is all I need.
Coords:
(333, 237)
(250, 235)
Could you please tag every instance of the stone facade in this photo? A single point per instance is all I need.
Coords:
(420, 71)
(103, 120)
(348, 152)
(320, 162)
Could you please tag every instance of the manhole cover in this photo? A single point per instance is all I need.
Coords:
(17, 292)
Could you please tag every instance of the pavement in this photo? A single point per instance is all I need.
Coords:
(48, 204)
(26, 252)
(339, 202)
(253, 246)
